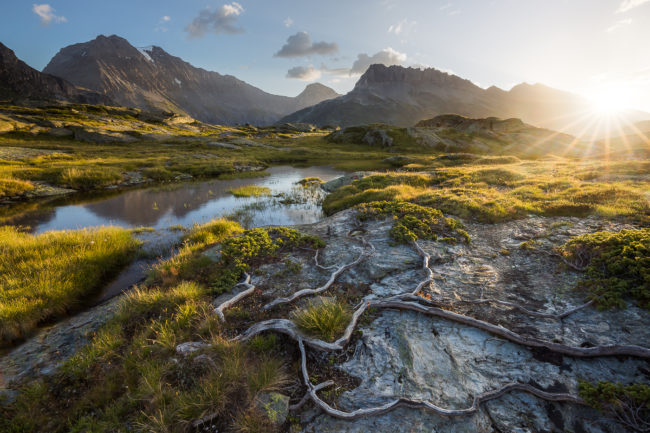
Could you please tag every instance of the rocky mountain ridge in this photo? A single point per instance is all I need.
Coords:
(403, 96)
(151, 78)
(20, 82)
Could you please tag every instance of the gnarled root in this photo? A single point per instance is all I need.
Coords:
(581, 352)
(424, 404)
(250, 288)
(555, 316)
(307, 292)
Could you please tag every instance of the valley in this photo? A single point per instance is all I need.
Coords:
(181, 251)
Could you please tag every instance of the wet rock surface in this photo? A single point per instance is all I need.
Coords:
(45, 352)
(405, 354)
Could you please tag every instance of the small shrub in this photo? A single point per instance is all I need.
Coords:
(326, 319)
(630, 404)
(412, 221)
(617, 265)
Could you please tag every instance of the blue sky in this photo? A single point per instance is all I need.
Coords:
(593, 47)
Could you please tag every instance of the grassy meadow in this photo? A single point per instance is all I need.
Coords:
(45, 276)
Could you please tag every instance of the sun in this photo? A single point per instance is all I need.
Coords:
(611, 98)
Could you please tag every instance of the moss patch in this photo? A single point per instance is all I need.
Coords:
(617, 266)
(413, 222)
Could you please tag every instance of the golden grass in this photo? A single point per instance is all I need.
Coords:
(43, 276)
(250, 191)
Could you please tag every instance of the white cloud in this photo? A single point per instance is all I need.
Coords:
(162, 24)
(387, 56)
(402, 26)
(304, 73)
(446, 6)
(46, 12)
(618, 24)
(626, 5)
(223, 20)
(300, 45)
(288, 22)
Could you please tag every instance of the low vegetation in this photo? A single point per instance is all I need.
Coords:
(413, 222)
(44, 276)
(494, 194)
(629, 404)
(324, 318)
(250, 191)
(617, 266)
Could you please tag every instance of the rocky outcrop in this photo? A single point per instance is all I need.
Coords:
(19, 83)
(150, 78)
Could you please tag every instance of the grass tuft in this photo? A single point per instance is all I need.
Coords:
(325, 319)
(250, 191)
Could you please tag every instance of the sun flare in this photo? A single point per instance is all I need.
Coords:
(611, 98)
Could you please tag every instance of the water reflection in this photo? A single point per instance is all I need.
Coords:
(183, 204)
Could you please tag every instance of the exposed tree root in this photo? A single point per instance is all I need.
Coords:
(306, 292)
(580, 352)
(307, 395)
(415, 303)
(425, 265)
(555, 316)
(423, 404)
(232, 301)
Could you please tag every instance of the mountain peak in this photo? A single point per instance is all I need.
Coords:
(19, 81)
(150, 78)
(378, 74)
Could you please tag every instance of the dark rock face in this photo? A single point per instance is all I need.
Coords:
(403, 96)
(465, 124)
(150, 78)
(20, 82)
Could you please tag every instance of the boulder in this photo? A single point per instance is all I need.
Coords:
(274, 405)
(97, 136)
(186, 348)
(377, 137)
(398, 160)
(345, 180)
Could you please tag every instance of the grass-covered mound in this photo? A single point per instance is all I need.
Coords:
(617, 266)
(238, 250)
(43, 276)
(500, 192)
(413, 222)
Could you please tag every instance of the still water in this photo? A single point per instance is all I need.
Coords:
(188, 203)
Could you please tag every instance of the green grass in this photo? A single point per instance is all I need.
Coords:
(325, 319)
(44, 276)
(250, 191)
(617, 266)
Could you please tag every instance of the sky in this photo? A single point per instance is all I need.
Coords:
(597, 48)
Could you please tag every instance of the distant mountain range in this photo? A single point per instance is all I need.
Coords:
(110, 70)
(19, 83)
(150, 78)
(403, 96)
